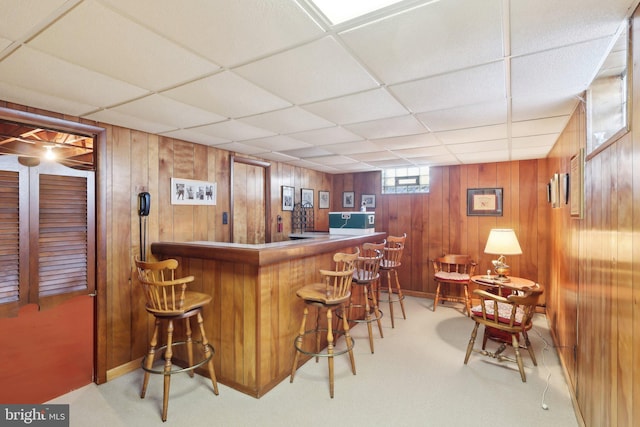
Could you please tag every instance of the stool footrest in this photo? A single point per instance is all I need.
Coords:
(179, 369)
(324, 353)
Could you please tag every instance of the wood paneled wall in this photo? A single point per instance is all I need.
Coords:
(437, 222)
(596, 272)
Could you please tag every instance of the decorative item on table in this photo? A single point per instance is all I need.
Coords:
(502, 241)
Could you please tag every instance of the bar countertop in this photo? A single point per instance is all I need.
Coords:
(265, 253)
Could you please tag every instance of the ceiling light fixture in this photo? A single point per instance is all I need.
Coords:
(49, 154)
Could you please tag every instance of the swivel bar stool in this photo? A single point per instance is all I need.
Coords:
(391, 261)
(168, 300)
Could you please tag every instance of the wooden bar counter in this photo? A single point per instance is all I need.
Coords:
(255, 313)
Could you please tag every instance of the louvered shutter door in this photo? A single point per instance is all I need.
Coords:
(9, 236)
(62, 240)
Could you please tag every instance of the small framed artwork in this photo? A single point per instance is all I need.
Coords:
(484, 202)
(287, 198)
(323, 199)
(192, 192)
(369, 201)
(348, 199)
(576, 190)
(306, 197)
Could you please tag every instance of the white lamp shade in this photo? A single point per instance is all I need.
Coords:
(502, 241)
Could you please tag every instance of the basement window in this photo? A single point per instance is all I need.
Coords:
(405, 180)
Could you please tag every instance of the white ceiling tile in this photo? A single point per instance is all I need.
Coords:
(542, 105)
(431, 39)
(144, 58)
(484, 133)
(385, 128)
(330, 135)
(23, 96)
(333, 160)
(391, 163)
(233, 130)
(4, 43)
(348, 148)
(240, 147)
(356, 167)
(484, 157)
(410, 153)
(227, 32)
(444, 160)
(28, 68)
(17, 22)
(529, 153)
(227, 94)
(278, 143)
(476, 85)
(315, 71)
(277, 157)
(375, 156)
(160, 109)
(479, 147)
(468, 116)
(563, 71)
(289, 120)
(574, 21)
(405, 142)
(197, 136)
(308, 152)
(539, 127)
(361, 107)
(120, 119)
(546, 141)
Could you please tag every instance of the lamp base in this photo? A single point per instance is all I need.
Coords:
(501, 278)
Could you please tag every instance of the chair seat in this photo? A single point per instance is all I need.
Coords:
(452, 276)
(318, 292)
(360, 277)
(504, 313)
(387, 264)
(192, 300)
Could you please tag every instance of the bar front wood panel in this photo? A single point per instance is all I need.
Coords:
(255, 313)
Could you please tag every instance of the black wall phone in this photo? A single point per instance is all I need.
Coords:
(144, 203)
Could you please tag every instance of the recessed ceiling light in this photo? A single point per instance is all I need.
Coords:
(338, 11)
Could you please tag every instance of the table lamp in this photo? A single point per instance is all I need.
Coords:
(502, 241)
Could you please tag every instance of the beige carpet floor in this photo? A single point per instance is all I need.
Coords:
(415, 378)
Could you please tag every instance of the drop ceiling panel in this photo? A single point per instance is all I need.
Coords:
(562, 71)
(539, 127)
(543, 105)
(529, 153)
(334, 160)
(384, 128)
(198, 136)
(484, 157)
(411, 141)
(226, 32)
(465, 117)
(534, 141)
(330, 135)
(278, 143)
(351, 147)
(35, 99)
(92, 36)
(361, 107)
(227, 94)
(127, 120)
(478, 147)
(484, 133)
(243, 148)
(411, 153)
(574, 21)
(318, 70)
(46, 74)
(161, 109)
(289, 120)
(444, 160)
(431, 39)
(233, 130)
(17, 21)
(307, 152)
(472, 86)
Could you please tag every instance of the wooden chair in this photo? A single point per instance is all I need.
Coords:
(453, 270)
(365, 277)
(391, 261)
(332, 293)
(168, 300)
(515, 317)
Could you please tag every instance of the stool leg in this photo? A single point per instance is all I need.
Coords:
(467, 302)
(516, 348)
(529, 348)
(148, 364)
(374, 300)
(330, 350)
(318, 338)
(393, 324)
(298, 344)
(435, 300)
(367, 316)
(349, 342)
(189, 344)
(400, 296)
(207, 353)
(167, 370)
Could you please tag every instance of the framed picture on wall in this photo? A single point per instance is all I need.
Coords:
(369, 201)
(348, 199)
(323, 199)
(287, 198)
(484, 202)
(576, 191)
(306, 197)
(192, 192)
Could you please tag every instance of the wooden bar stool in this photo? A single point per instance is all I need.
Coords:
(391, 261)
(331, 293)
(365, 278)
(168, 300)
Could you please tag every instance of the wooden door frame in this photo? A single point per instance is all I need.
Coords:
(266, 190)
(99, 136)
